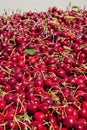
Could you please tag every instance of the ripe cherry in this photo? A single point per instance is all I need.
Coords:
(43, 107)
(84, 104)
(39, 116)
(39, 82)
(61, 73)
(83, 113)
(80, 126)
(1, 117)
(69, 121)
(32, 108)
(2, 104)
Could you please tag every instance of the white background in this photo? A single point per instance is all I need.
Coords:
(38, 5)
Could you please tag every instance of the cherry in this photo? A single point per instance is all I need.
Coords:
(37, 124)
(72, 81)
(55, 79)
(55, 126)
(52, 69)
(18, 40)
(64, 128)
(52, 119)
(35, 100)
(22, 110)
(39, 90)
(32, 108)
(32, 60)
(24, 124)
(2, 104)
(48, 82)
(51, 61)
(84, 104)
(21, 63)
(17, 88)
(43, 107)
(79, 126)
(9, 115)
(7, 88)
(1, 128)
(39, 82)
(84, 37)
(39, 116)
(1, 117)
(12, 81)
(18, 75)
(67, 68)
(82, 120)
(29, 95)
(43, 66)
(1, 78)
(85, 96)
(82, 86)
(84, 50)
(11, 125)
(82, 55)
(83, 113)
(29, 86)
(8, 98)
(69, 110)
(80, 81)
(48, 101)
(79, 94)
(69, 121)
(11, 108)
(5, 55)
(61, 73)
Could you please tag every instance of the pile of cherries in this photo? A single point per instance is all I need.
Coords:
(43, 70)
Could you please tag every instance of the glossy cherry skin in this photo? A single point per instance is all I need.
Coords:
(80, 126)
(39, 116)
(2, 104)
(69, 121)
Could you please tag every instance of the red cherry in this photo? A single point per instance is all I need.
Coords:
(80, 126)
(9, 98)
(64, 129)
(43, 107)
(11, 125)
(1, 127)
(83, 113)
(37, 124)
(32, 60)
(52, 119)
(69, 121)
(21, 63)
(61, 73)
(48, 82)
(22, 110)
(32, 108)
(39, 116)
(39, 82)
(82, 120)
(39, 90)
(1, 117)
(2, 104)
(69, 110)
(84, 104)
(9, 115)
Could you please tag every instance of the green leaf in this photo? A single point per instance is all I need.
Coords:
(75, 7)
(30, 51)
(57, 102)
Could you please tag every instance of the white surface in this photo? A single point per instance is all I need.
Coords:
(38, 5)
